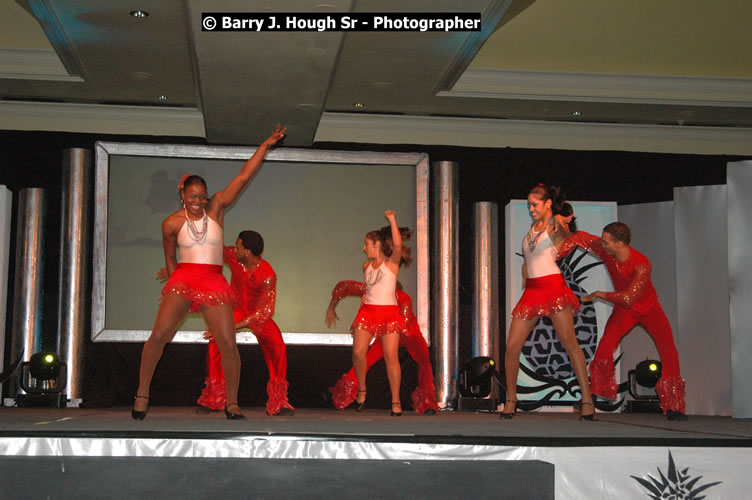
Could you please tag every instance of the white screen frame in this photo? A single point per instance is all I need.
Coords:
(103, 153)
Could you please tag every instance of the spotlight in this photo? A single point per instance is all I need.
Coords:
(43, 378)
(646, 374)
(475, 377)
(44, 366)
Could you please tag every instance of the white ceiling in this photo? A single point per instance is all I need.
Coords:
(681, 68)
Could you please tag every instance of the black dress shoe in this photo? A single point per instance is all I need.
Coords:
(508, 416)
(285, 412)
(588, 417)
(139, 415)
(397, 413)
(676, 416)
(360, 405)
(233, 416)
(429, 412)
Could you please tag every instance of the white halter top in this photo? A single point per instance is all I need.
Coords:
(541, 261)
(381, 286)
(207, 252)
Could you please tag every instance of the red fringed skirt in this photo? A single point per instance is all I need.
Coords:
(202, 284)
(545, 296)
(380, 320)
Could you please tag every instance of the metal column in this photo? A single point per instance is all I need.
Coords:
(26, 330)
(75, 245)
(445, 307)
(486, 279)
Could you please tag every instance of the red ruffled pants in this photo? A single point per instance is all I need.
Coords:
(423, 397)
(275, 355)
(670, 388)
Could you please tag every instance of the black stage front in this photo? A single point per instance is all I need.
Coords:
(327, 453)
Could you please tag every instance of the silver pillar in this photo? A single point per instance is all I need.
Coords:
(486, 277)
(26, 330)
(75, 244)
(445, 307)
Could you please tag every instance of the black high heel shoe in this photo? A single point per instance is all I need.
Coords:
(397, 413)
(361, 404)
(508, 416)
(233, 416)
(139, 415)
(588, 416)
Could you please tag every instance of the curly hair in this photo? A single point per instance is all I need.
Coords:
(619, 232)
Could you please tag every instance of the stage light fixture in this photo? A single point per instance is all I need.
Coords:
(648, 373)
(475, 377)
(44, 373)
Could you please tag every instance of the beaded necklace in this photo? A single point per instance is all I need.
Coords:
(533, 236)
(199, 236)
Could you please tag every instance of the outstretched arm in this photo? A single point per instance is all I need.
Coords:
(228, 195)
(588, 242)
(341, 290)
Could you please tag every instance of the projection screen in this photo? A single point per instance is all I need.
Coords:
(312, 208)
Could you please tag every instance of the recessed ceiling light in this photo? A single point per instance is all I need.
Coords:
(315, 51)
(576, 113)
(141, 14)
(162, 98)
(358, 105)
(140, 75)
(381, 85)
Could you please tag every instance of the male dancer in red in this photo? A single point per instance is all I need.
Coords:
(254, 284)
(635, 301)
(346, 389)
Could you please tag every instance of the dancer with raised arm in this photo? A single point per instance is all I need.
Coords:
(546, 294)
(379, 315)
(346, 389)
(254, 283)
(193, 241)
(635, 302)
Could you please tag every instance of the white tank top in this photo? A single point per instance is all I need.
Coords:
(209, 251)
(541, 261)
(381, 286)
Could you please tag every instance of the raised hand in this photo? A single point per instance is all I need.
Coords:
(277, 135)
(390, 215)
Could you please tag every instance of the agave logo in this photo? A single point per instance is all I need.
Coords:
(676, 484)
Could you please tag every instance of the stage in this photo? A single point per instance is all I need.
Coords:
(177, 453)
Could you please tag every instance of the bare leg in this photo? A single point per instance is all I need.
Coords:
(361, 341)
(222, 325)
(564, 326)
(390, 343)
(171, 311)
(518, 332)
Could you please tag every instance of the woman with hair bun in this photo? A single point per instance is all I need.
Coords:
(546, 293)
(379, 316)
(196, 282)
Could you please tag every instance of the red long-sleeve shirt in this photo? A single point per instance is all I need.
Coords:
(633, 288)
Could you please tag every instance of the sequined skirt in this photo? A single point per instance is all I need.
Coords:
(202, 284)
(545, 296)
(379, 320)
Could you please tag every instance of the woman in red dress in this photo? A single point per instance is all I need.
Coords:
(196, 281)
(546, 294)
(379, 315)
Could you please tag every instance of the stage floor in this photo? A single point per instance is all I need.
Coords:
(451, 427)
(321, 453)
